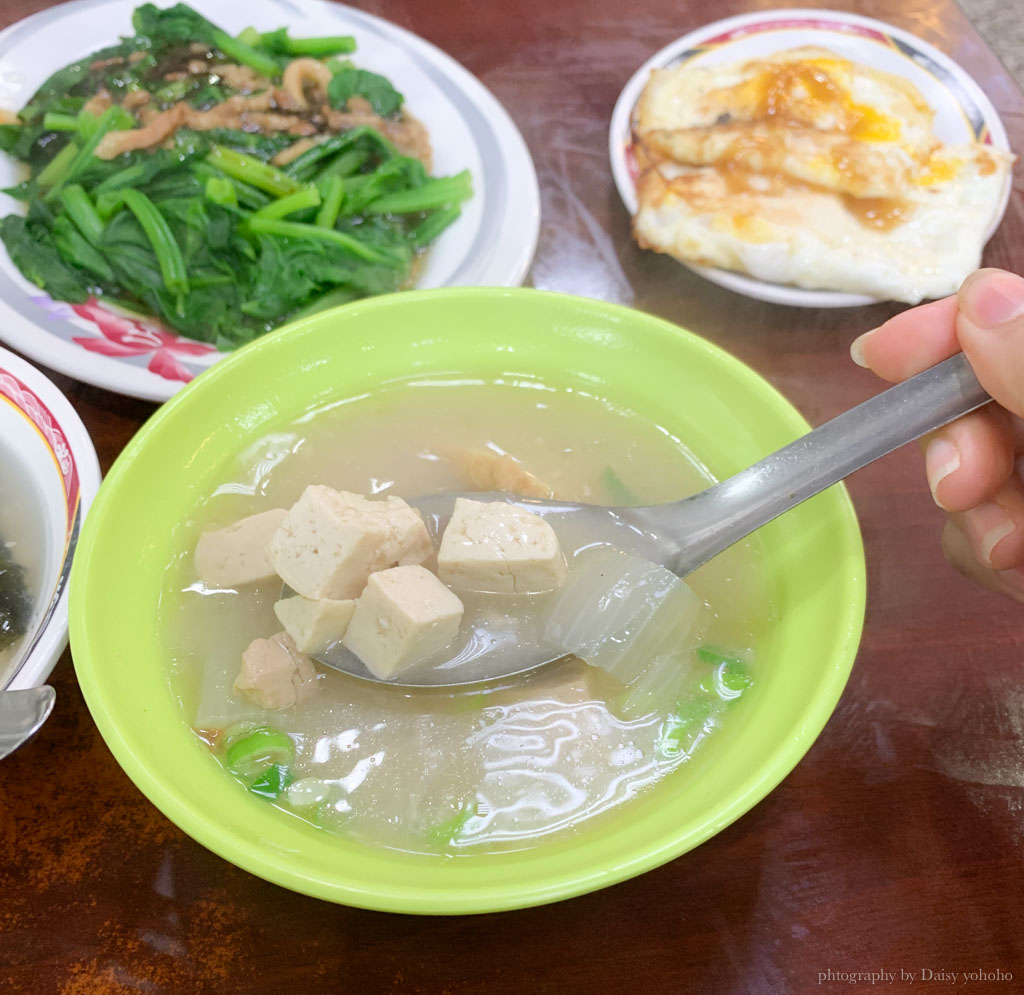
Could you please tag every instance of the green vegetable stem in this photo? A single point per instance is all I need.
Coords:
(334, 191)
(172, 263)
(81, 210)
(617, 490)
(252, 171)
(291, 203)
(282, 43)
(445, 833)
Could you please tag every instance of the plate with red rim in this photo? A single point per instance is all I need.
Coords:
(963, 113)
(50, 449)
(491, 244)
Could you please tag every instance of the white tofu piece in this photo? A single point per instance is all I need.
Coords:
(497, 548)
(403, 616)
(236, 555)
(331, 541)
(314, 625)
(275, 674)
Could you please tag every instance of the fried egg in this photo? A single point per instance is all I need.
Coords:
(804, 113)
(805, 168)
(829, 160)
(911, 248)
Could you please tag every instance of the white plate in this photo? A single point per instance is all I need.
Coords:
(491, 244)
(962, 111)
(55, 452)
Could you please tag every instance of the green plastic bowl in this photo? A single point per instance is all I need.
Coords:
(727, 414)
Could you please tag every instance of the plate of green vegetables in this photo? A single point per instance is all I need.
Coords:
(178, 181)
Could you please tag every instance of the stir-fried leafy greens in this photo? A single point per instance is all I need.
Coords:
(201, 228)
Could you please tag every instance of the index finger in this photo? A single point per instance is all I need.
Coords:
(910, 341)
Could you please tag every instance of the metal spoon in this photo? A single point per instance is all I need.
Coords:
(504, 640)
(21, 715)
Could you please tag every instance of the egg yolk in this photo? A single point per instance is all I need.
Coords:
(807, 94)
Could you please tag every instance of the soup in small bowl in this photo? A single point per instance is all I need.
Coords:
(48, 476)
(486, 796)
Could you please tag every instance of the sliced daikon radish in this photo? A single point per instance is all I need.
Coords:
(628, 616)
(662, 683)
(218, 705)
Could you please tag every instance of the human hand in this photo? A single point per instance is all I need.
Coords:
(974, 465)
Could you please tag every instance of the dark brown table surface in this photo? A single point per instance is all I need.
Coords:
(895, 845)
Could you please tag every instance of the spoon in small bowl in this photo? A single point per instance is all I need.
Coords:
(506, 641)
(22, 713)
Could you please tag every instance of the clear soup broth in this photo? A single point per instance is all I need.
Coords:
(494, 767)
(22, 560)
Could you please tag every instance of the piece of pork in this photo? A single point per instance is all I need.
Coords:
(158, 128)
(407, 134)
(302, 73)
(490, 471)
(275, 674)
(98, 103)
(290, 154)
(258, 112)
(240, 78)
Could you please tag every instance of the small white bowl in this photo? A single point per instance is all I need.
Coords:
(51, 449)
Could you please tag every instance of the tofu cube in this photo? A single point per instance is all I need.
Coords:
(236, 555)
(499, 548)
(314, 625)
(331, 541)
(275, 674)
(403, 616)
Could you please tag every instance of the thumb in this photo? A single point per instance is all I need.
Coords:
(990, 327)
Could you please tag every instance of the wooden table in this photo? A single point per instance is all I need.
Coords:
(895, 845)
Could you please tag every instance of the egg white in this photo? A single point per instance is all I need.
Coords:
(807, 237)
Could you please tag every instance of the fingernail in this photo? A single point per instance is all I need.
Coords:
(991, 300)
(941, 458)
(857, 348)
(991, 524)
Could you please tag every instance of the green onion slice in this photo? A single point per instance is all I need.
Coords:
(251, 754)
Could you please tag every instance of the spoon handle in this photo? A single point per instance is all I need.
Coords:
(713, 520)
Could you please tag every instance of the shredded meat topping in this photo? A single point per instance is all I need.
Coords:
(407, 134)
(134, 100)
(296, 149)
(297, 107)
(98, 103)
(301, 73)
(114, 143)
(240, 78)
